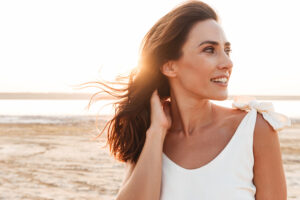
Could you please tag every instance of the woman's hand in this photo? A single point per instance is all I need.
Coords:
(160, 113)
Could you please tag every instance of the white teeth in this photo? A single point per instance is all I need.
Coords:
(223, 80)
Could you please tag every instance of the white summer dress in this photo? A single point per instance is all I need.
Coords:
(229, 176)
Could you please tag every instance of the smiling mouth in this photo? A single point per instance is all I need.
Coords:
(223, 80)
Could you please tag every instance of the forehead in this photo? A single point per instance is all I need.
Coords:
(205, 30)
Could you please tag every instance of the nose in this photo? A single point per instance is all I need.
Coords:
(225, 62)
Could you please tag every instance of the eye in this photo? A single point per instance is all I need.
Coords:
(209, 49)
(228, 50)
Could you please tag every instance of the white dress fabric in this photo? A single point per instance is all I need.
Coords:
(229, 176)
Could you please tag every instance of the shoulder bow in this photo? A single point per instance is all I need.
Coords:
(276, 120)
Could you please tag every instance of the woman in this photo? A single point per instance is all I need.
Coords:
(176, 143)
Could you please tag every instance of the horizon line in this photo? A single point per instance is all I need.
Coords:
(85, 96)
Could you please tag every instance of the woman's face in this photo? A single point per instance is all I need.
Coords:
(205, 57)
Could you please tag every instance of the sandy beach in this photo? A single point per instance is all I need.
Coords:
(62, 161)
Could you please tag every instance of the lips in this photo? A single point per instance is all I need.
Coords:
(220, 79)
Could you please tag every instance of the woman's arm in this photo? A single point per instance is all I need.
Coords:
(269, 177)
(143, 181)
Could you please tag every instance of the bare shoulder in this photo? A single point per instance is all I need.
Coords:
(264, 134)
(269, 177)
(266, 140)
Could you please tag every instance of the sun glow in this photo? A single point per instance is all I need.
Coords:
(50, 46)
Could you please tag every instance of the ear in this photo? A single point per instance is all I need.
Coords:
(169, 69)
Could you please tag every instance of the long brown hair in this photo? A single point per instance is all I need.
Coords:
(127, 129)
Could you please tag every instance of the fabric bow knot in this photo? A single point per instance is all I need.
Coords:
(276, 120)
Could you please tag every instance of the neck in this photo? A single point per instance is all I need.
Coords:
(190, 114)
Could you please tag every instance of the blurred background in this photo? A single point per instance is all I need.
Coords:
(47, 48)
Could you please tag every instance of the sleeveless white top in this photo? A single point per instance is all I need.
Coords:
(229, 176)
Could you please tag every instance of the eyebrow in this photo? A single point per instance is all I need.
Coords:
(213, 43)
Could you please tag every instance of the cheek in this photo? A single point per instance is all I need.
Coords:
(195, 74)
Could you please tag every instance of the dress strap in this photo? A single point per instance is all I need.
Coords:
(278, 121)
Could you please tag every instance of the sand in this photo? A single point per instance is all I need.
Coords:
(62, 161)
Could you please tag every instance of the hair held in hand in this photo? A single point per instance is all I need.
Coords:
(126, 131)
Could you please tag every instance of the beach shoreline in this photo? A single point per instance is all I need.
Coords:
(65, 161)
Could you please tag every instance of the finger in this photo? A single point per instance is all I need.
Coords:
(154, 95)
(155, 100)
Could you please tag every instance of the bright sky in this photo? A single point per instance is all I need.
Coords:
(48, 46)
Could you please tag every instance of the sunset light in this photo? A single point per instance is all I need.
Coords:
(51, 46)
